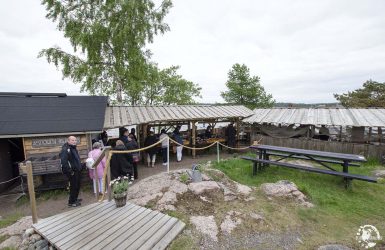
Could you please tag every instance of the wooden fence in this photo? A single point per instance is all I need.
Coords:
(368, 150)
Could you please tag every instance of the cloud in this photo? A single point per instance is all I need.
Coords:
(303, 50)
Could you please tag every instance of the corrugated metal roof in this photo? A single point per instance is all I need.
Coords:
(337, 117)
(118, 116)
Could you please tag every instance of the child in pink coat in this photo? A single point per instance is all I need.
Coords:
(94, 154)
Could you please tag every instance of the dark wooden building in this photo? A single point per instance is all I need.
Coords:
(34, 127)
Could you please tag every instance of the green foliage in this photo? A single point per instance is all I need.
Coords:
(371, 95)
(184, 178)
(167, 87)
(108, 40)
(245, 89)
(120, 185)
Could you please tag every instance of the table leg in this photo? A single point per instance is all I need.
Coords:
(259, 165)
(348, 181)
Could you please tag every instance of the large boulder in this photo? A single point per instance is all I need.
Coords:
(12, 242)
(203, 186)
(379, 173)
(287, 189)
(230, 222)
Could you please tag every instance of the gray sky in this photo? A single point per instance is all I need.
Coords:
(303, 51)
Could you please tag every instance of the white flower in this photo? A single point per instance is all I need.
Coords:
(125, 177)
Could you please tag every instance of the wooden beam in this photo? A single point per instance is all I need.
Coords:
(194, 129)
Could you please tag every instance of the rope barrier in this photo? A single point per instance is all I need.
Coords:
(111, 152)
(10, 180)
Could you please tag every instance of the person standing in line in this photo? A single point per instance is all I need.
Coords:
(71, 167)
(151, 152)
(133, 134)
(230, 134)
(178, 138)
(94, 155)
(121, 164)
(123, 135)
(163, 135)
(132, 145)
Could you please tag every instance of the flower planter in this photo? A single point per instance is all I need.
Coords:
(120, 199)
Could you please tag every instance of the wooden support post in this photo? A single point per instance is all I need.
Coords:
(168, 154)
(31, 191)
(194, 131)
(379, 135)
(340, 133)
(190, 137)
(370, 135)
(217, 151)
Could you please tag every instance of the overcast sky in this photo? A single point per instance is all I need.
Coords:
(303, 51)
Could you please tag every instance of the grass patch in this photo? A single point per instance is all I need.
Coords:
(51, 194)
(183, 242)
(9, 220)
(337, 209)
(184, 178)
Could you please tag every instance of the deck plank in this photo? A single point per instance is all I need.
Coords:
(169, 237)
(103, 226)
(98, 234)
(89, 235)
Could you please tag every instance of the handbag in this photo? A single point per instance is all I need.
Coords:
(135, 158)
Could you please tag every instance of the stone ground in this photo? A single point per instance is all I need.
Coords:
(219, 213)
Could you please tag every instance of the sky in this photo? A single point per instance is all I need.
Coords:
(302, 50)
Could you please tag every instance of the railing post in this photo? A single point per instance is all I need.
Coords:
(217, 151)
(96, 180)
(31, 191)
(108, 169)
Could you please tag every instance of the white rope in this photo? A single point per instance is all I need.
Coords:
(10, 180)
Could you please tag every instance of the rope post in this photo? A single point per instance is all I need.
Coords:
(194, 131)
(31, 191)
(108, 153)
(217, 151)
(96, 180)
(168, 154)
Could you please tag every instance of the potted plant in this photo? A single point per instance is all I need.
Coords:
(119, 188)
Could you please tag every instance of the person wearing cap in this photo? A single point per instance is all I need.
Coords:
(99, 170)
(151, 152)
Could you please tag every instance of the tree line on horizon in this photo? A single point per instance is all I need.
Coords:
(109, 57)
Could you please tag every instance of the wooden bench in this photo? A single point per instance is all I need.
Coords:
(307, 158)
(347, 176)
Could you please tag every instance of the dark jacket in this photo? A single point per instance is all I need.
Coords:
(70, 159)
(178, 137)
(121, 164)
(150, 140)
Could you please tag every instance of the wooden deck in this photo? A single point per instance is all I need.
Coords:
(103, 226)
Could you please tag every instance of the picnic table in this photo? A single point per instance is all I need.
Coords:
(323, 158)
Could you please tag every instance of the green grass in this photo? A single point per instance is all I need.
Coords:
(9, 220)
(335, 207)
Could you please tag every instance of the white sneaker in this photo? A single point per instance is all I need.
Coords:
(164, 164)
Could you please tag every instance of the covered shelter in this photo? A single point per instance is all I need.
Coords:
(355, 130)
(34, 126)
(173, 115)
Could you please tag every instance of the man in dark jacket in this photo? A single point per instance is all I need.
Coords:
(71, 167)
(230, 135)
(151, 152)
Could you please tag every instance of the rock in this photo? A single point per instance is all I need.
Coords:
(12, 242)
(285, 189)
(206, 178)
(206, 225)
(142, 201)
(379, 173)
(230, 222)
(203, 186)
(31, 247)
(40, 244)
(18, 227)
(35, 237)
(168, 198)
(334, 247)
(243, 189)
(250, 199)
(29, 232)
(204, 199)
(230, 197)
(178, 187)
(257, 217)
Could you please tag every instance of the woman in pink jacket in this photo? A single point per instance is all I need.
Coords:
(94, 154)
